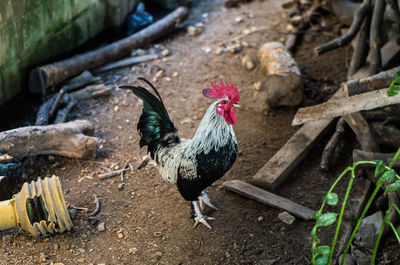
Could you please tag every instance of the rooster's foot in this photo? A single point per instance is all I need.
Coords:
(199, 217)
(204, 200)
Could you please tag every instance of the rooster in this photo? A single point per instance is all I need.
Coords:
(191, 164)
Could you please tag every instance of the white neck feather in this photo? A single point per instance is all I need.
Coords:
(213, 131)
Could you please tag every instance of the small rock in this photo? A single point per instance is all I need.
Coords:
(175, 74)
(116, 108)
(101, 227)
(56, 246)
(193, 31)
(260, 218)
(219, 51)
(206, 49)
(42, 256)
(133, 251)
(159, 253)
(120, 234)
(51, 158)
(238, 19)
(73, 213)
(286, 217)
(81, 250)
(186, 120)
(234, 48)
(166, 52)
(248, 63)
(127, 121)
(121, 186)
(168, 79)
(257, 85)
(160, 73)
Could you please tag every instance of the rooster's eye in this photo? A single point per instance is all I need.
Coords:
(224, 102)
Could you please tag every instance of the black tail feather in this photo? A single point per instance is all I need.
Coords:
(154, 126)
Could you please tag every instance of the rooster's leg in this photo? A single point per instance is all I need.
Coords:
(204, 200)
(199, 217)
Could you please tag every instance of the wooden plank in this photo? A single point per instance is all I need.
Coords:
(343, 106)
(278, 168)
(269, 198)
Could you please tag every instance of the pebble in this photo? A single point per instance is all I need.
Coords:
(133, 251)
(193, 30)
(73, 213)
(168, 79)
(286, 217)
(175, 74)
(160, 73)
(247, 63)
(121, 186)
(166, 52)
(238, 19)
(101, 227)
(120, 234)
(257, 85)
(42, 256)
(159, 253)
(219, 51)
(260, 218)
(116, 108)
(81, 250)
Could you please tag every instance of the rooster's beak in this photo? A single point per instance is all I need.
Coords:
(236, 105)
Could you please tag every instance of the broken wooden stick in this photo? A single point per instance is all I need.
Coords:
(98, 207)
(71, 139)
(112, 174)
(343, 106)
(127, 62)
(269, 198)
(332, 147)
(60, 71)
(359, 16)
(282, 85)
(371, 83)
(93, 91)
(360, 155)
(375, 39)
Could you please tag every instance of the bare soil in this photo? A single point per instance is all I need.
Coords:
(147, 222)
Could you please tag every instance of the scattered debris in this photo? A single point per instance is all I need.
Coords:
(283, 85)
(101, 227)
(286, 217)
(195, 30)
(112, 174)
(166, 52)
(268, 198)
(98, 206)
(121, 186)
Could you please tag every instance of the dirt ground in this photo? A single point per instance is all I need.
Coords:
(147, 222)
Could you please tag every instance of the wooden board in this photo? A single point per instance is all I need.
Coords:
(278, 168)
(269, 198)
(343, 106)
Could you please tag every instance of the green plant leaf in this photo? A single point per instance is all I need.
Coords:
(398, 230)
(314, 234)
(331, 198)
(393, 187)
(394, 87)
(326, 219)
(323, 250)
(380, 168)
(388, 176)
(322, 260)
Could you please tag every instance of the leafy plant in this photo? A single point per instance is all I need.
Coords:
(322, 255)
(394, 87)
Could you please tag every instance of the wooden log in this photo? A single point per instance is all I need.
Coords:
(334, 146)
(360, 155)
(364, 135)
(5, 188)
(344, 106)
(127, 62)
(70, 139)
(371, 83)
(58, 72)
(278, 168)
(91, 92)
(386, 135)
(283, 85)
(269, 198)
(375, 39)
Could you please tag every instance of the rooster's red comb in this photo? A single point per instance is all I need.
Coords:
(225, 90)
